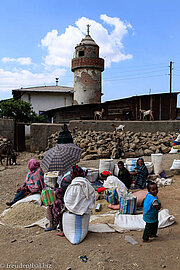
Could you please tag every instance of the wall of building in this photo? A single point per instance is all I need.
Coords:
(87, 86)
(122, 109)
(41, 132)
(47, 101)
(7, 128)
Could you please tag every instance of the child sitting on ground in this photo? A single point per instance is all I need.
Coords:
(150, 212)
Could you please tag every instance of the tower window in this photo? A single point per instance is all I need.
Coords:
(81, 53)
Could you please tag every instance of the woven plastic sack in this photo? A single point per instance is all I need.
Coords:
(106, 165)
(48, 197)
(111, 196)
(149, 166)
(127, 204)
(131, 164)
(92, 174)
(175, 165)
(173, 151)
(75, 227)
(157, 160)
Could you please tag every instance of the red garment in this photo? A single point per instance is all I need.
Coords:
(106, 173)
(101, 189)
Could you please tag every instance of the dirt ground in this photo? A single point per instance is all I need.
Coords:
(33, 248)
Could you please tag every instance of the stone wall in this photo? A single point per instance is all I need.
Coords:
(135, 126)
(41, 132)
(7, 129)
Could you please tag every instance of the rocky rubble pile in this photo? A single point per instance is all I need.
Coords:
(100, 144)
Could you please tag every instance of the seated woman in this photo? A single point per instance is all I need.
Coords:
(124, 174)
(67, 179)
(34, 182)
(55, 210)
(141, 173)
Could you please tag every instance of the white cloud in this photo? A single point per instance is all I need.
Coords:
(20, 60)
(61, 47)
(24, 78)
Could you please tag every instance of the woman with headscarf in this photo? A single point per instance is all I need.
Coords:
(55, 210)
(140, 174)
(67, 179)
(34, 182)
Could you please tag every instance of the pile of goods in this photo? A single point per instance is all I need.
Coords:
(23, 214)
(100, 144)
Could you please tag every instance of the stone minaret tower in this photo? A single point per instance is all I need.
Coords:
(87, 68)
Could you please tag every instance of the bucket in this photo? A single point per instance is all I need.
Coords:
(50, 179)
(106, 165)
(157, 160)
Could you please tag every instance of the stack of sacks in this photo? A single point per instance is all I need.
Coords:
(79, 200)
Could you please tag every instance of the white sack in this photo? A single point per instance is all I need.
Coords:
(106, 165)
(114, 182)
(150, 166)
(157, 160)
(136, 222)
(175, 165)
(116, 170)
(178, 138)
(79, 197)
(173, 151)
(36, 198)
(75, 227)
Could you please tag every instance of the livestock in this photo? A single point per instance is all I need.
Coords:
(117, 128)
(98, 114)
(145, 113)
(7, 152)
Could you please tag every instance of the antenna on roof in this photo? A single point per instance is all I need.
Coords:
(57, 80)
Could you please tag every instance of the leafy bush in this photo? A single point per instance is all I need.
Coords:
(19, 110)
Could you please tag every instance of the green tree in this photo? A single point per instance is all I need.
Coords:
(19, 110)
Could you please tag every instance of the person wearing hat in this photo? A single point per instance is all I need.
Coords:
(104, 175)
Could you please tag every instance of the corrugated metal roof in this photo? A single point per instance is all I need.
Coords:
(51, 89)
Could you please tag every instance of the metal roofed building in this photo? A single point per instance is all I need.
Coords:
(44, 98)
(163, 105)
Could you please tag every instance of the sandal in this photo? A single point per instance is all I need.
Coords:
(60, 233)
(49, 229)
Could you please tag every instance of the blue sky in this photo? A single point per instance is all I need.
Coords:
(137, 39)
